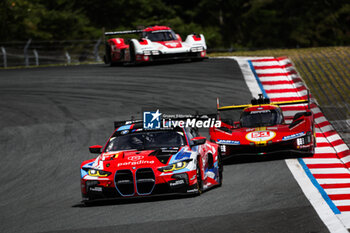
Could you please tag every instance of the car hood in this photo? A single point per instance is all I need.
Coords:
(146, 158)
(244, 136)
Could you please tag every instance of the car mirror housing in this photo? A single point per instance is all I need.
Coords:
(96, 149)
(198, 141)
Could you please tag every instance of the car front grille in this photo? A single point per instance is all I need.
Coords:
(124, 182)
(145, 181)
(144, 178)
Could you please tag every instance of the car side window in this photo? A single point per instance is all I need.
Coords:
(191, 133)
(194, 132)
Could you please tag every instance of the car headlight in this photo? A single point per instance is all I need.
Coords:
(197, 49)
(175, 166)
(98, 173)
(305, 139)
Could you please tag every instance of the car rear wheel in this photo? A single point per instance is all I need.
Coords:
(132, 52)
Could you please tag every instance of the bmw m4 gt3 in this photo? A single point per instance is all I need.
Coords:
(138, 162)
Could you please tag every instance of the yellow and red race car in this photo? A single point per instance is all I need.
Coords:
(261, 130)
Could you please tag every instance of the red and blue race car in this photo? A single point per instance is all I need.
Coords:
(262, 130)
(154, 44)
(138, 162)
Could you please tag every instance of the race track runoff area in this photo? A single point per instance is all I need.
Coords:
(328, 170)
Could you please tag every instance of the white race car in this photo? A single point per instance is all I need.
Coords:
(155, 43)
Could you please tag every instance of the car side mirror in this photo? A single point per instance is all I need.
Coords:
(96, 149)
(198, 141)
(237, 124)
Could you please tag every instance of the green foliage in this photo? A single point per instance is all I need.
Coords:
(225, 24)
(41, 20)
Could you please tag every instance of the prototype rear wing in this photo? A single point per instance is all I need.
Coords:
(123, 32)
(262, 101)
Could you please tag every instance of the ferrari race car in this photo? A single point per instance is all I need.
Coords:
(138, 162)
(262, 130)
(155, 43)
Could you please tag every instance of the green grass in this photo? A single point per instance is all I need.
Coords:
(326, 71)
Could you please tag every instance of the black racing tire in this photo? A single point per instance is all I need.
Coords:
(199, 179)
(221, 168)
(132, 52)
(107, 57)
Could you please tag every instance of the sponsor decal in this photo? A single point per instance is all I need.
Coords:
(96, 189)
(177, 182)
(272, 128)
(194, 122)
(124, 131)
(304, 146)
(135, 158)
(257, 112)
(151, 120)
(140, 162)
(192, 191)
(260, 136)
(220, 141)
(289, 137)
(172, 44)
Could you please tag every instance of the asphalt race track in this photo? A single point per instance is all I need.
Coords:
(49, 117)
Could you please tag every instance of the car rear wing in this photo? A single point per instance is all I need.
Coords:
(263, 101)
(123, 32)
(117, 124)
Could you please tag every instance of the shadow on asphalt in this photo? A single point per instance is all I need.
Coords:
(154, 63)
(131, 200)
(256, 158)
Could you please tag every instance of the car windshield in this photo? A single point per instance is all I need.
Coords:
(253, 119)
(146, 140)
(160, 35)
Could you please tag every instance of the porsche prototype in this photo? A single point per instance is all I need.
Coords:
(154, 43)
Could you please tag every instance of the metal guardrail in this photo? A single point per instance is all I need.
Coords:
(35, 53)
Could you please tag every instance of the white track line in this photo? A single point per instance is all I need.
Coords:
(342, 202)
(321, 139)
(346, 159)
(269, 71)
(333, 224)
(286, 94)
(341, 148)
(333, 181)
(322, 161)
(338, 170)
(324, 150)
(338, 191)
